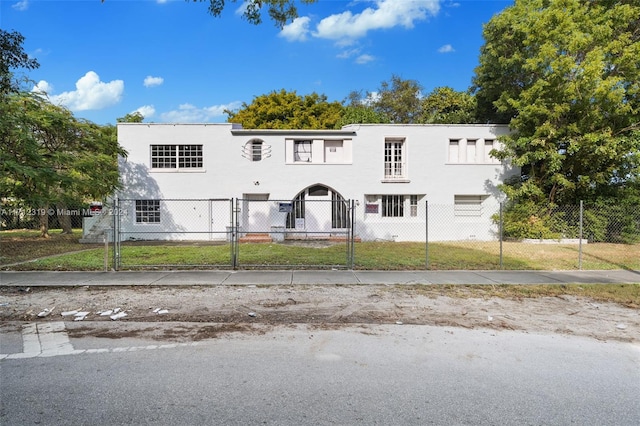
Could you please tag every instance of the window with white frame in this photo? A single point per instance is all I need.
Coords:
(413, 205)
(468, 205)
(394, 159)
(302, 151)
(397, 205)
(147, 211)
(176, 156)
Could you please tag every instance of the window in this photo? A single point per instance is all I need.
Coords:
(454, 150)
(163, 156)
(488, 146)
(394, 167)
(471, 150)
(392, 205)
(468, 205)
(318, 191)
(413, 205)
(302, 151)
(339, 212)
(256, 150)
(190, 156)
(297, 211)
(147, 211)
(176, 156)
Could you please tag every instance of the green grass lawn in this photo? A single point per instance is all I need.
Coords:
(25, 250)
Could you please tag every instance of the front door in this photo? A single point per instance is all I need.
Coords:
(255, 213)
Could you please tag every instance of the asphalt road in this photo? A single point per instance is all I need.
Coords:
(370, 375)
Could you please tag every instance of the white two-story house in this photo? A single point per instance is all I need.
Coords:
(304, 181)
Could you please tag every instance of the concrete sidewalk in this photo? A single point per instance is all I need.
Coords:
(304, 277)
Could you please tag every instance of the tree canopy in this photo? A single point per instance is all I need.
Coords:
(280, 12)
(565, 74)
(287, 110)
(445, 105)
(12, 56)
(399, 100)
(48, 156)
(133, 117)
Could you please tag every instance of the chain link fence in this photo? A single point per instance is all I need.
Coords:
(253, 233)
(173, 233)
(301, 233)
(521, 236)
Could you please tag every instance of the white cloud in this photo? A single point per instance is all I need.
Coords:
(297, 30)
(386, 14)
(146, 111)
(363, 59)
(150, 81)
(447, 48)
(90, 93)
(187, 113)
(43, 88)
(21, 6)
(346, 54)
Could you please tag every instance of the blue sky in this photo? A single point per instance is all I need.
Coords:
(173, 62)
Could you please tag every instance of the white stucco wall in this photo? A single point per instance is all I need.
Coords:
(356, 172)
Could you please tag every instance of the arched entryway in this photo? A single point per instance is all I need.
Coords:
(318, 209)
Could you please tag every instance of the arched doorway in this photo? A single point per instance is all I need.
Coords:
(319, 210)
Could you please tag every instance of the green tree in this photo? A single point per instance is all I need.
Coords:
(445, 105)
(48, 157)
(359, 114)
(12, 56)
(287, 110)
(281, 12)
(358, 110)
(134, 117)
(51, 160)
(565, 74)
(399, 100)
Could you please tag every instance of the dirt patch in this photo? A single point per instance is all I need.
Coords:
(204, 312)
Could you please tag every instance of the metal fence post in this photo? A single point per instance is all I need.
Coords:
(105, 238)
(352, 236)
(116, 234)
(426, 230)
(580, 236)
(234, 233)
(501, 232)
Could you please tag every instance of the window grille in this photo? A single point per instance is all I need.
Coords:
(392, 205)
(147, 211)
(176, 156)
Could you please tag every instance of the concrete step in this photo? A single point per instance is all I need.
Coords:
(256, 238)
